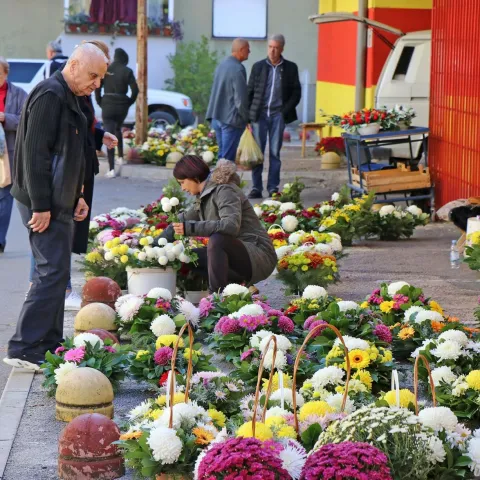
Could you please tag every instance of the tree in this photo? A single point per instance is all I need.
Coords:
(194, 66)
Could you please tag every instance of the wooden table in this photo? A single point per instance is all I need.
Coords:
(318, 127)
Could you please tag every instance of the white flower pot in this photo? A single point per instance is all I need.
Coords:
(369, 129)
(195, 296)
(142, 280)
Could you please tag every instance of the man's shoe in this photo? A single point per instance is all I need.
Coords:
(27, 362)
(254, 194)
(73, 302)
(271, 193)
(2, 248)
(119, 161)
(110, 174)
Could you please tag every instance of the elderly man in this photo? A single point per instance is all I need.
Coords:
(274, 91)
(228, 106)
(48, 174)
(56, 58)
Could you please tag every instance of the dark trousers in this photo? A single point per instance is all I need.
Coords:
(228, 138)
(113, 124)
(40, 325)
(6, 203)
(224, 261)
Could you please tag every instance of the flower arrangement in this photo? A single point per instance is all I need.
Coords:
(350, 121)
(401, 117)
(331, 144)
(291, 192)
(85, 350)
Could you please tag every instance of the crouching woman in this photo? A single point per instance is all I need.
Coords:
(239, 249)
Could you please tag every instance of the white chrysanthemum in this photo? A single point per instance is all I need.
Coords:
(314, 292)
(398, 214)
(276, 412)
(87, 337)
(258, 211)
(414, 210)
(93, 225)
(428, 315)
(335, 401)
(335, 197)
(174, 201)
(165, 445)
(63, 370)
(443, 374)
(336, 245)
(456, 336)
(271, 203)
(283, 343)
(108, 256)
(128, 309)
(289, 223)
(410, 311)
(250, 309)
(234, 289)
(474, 346)
(325, 209)
(324, 249)
(473, 452)
(346, 305)
(437, 450)
(331, 375)
(353, 343)
(284, 207)
(283, 251)
(123, 299)
(386, 210)
(159, 292)
(190, 312)
(438, 419)
(394, 287)
(184, 415)
(140, 411)
(287, 397)
(293, 457)
(280, 360)
(163, 325)
(448, 350)
(295, 238)
(258, 337)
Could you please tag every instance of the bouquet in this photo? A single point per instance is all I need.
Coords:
(331, 144)
(291, 192)
(352, 120)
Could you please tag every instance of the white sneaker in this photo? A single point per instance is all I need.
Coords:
(73, 301)
(119, 161)
(110, 174)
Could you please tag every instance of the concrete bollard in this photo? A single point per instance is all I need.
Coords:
(95, 315)
(101, 290)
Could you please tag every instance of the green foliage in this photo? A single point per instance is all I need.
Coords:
(194, 66)
(473, 258)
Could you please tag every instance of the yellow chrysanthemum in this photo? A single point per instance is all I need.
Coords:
(123, 249)
(406, 333)
(287, 382)
(275, 421)
(474, 238)
(435, 307)
(364, 305)
(186, 353)
(386, 307)
(203, 436)
(218, 418)
(124, 258)
(178, 397)
(287, 432)
(115, 251)
(143, 241)
(386, 356)
(131, 435)
(373, 352)
(473, 379)
(154, 414)
(406, 398)
(141, 354)
(365, 377)
(319, 408)
(262, 432)
(359, 358)
(335, 352)
(168, 341)
(108, 244)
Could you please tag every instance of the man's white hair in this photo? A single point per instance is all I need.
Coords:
(277, 37)
(87, 50)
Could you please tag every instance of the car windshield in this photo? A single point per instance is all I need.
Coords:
(23, 72)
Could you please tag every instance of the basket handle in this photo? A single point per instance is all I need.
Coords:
(297, 362)
(275, 225)
(415, 381)
(273, 339)
(396, 386)
(171, 386)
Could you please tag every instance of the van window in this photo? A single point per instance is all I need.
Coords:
(403, 63)
(23, 72)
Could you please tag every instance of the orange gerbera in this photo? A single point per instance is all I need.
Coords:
(406, 333)
(204, 437)
(471, 330)
(131, 435)
(437, 326)
(453, 319)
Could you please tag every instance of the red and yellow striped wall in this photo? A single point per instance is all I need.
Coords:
(337, 49)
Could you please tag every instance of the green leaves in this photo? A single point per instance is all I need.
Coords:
(310, 436)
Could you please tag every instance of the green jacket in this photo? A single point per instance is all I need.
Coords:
(222, 207)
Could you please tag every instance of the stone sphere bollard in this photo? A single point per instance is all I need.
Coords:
(104, 334)
(85, 449)
(95, 315)
(83, 390)
(101, 290)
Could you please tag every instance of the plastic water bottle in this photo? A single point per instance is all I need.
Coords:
(454, 255)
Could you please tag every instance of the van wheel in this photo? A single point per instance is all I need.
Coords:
(161, 119)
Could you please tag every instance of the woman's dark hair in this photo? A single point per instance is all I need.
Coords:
(192, 167)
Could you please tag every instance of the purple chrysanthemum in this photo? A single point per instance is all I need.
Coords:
(163, 355)
(309, 321)
(227, 325)
(252, 322)
(383, 333)
(205, 306)
(316, 323)
(274, 313)
(375, 299)
(285, 324)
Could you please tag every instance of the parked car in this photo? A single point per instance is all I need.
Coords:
(164, 107)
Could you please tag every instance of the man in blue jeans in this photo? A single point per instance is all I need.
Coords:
(274, 91)
(228, 106)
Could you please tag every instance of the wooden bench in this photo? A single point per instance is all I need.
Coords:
(306, 127)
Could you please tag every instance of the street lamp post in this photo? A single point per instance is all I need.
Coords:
(141, 117)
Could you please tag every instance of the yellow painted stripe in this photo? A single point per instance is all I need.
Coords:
(370, 97)
(350, 6)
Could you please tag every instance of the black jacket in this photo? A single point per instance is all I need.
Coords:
(56, 63)
(49, 162)
(291, 89)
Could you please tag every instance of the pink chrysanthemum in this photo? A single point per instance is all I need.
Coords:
(316, 323)
(375, 299)
(383, 333)
(252, 322)
(164, 305)
(163, 356)
(309, 321)
(227, 325)
(205, 306)
(75, 355)
(59, 350)
(274, 313)
(285, 324)
(110, 349)
(246, 354)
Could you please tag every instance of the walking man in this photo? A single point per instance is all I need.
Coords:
(274, 91)
(228, 106)
(48, 175)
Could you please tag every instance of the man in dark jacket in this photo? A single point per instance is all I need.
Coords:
(48, 173)
(115, 102)
(274, 91)
(56, 59)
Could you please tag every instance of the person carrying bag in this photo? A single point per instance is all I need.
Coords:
(249, 154)
(5, 174)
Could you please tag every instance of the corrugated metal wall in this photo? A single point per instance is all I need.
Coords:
(455, 99)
